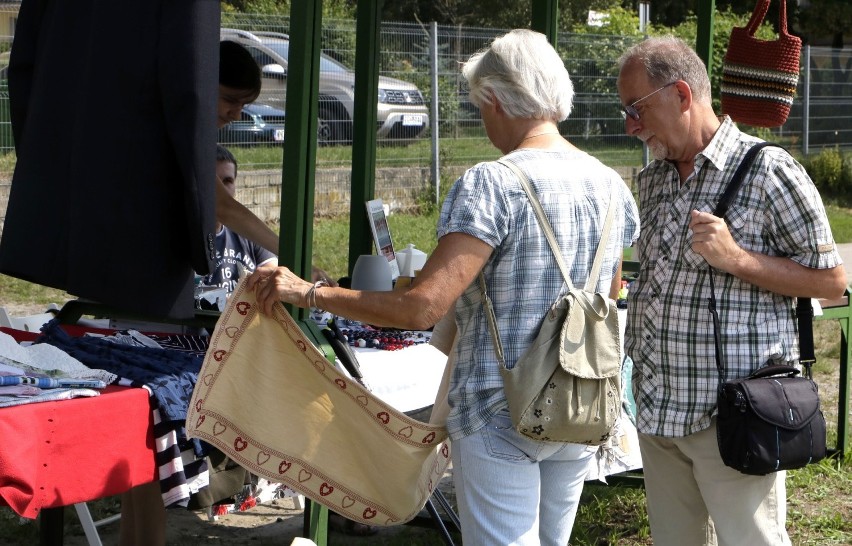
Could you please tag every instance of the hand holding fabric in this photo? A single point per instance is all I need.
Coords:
(272, 284)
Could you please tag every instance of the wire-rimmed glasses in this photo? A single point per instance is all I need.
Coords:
(631, 111)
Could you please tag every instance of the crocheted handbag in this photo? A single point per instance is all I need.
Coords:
(759, 77)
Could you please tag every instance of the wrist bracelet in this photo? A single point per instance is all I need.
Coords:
(311, 296)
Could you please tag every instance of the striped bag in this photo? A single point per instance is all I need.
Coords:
(759, 77)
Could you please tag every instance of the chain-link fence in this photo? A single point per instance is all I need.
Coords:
(410, 129)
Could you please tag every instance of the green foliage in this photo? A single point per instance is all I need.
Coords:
(831, 171)
(724, 22)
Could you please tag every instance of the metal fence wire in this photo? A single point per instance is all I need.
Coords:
(821, 115)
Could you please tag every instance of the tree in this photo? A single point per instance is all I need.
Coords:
(826, 18)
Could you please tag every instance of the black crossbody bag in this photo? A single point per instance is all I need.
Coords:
(770, 420)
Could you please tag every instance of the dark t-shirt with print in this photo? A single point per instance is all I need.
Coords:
(232, 249)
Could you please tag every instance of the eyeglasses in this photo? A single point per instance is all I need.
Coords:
(630, 109)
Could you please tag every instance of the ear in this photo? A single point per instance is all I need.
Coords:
(684, 93)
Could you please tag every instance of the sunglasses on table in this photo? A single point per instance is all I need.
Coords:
(631, 111)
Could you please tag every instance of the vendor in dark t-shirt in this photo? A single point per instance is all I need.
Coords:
(233, 249)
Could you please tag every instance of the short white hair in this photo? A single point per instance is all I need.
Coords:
(524, 72)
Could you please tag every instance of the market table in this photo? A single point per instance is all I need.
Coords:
(57, 454)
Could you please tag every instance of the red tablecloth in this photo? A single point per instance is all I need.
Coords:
(60, 453)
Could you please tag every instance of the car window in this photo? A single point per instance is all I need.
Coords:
(327, 64)
(261, 57)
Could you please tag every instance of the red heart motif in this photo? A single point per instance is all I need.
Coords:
(219, 355)
(301, 345)
(383, 417)
(406, 432)
(200, 421)
(347, 501)
(325, 489)
(284, 467)
(240, 444)
(219, 428)
(428, 439)
(340, 383)
(445, 451)
(243, 307)
(208, 379)
(198, 404)
(361, 399)
(232, 331)
(304, 476)
(262, 458)
(369, 513)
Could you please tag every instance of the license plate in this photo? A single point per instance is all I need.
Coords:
(279, 135)
(409, 120)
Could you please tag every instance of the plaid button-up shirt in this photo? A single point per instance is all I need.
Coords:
(523, 280)
(777, 212)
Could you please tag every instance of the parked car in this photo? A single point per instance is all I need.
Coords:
(402, 112)
(258, 124)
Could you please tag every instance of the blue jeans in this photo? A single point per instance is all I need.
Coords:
(513, 490)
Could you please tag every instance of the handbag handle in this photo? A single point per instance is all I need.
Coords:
(774, 369)
(759, 14)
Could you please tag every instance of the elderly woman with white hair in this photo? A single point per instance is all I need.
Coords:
(510, 489)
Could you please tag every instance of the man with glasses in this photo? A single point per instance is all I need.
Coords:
(774, 244)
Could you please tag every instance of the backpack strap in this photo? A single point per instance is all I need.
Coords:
(594, 274)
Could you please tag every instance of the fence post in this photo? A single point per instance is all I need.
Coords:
(433, 114)
(806, 102)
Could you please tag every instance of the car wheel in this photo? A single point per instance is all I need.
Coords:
(331, 129)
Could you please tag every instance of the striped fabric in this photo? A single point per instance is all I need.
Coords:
(756, 83)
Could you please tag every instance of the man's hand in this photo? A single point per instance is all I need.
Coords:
(712, 240)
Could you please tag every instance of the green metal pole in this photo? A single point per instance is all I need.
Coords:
(300, 144)
(544, 18)
(368, 26)
(704, 38)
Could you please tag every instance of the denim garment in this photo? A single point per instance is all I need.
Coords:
(513, 490)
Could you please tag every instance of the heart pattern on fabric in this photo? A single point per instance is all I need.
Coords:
(301, 345)
(429, 438)
(232, 331)
(347, 501)
(200, 421)
(361, 399)
(304, 476)
(218, 428)
(340, 383)
(445, 451)
(325, 489)
(240, 444)
(406, 432)
(219, 355)
(369, 513)
(284, 466)
(208, 379)
(383, 417)
(262, 458)
(243, 308)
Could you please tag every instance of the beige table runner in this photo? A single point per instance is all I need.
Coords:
(271, 401)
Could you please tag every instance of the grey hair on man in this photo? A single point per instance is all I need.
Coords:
(667, 59)
(524, 73)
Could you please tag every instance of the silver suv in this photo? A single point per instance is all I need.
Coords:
(402, 112)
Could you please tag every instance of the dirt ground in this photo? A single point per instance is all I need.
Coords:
(277, 522)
